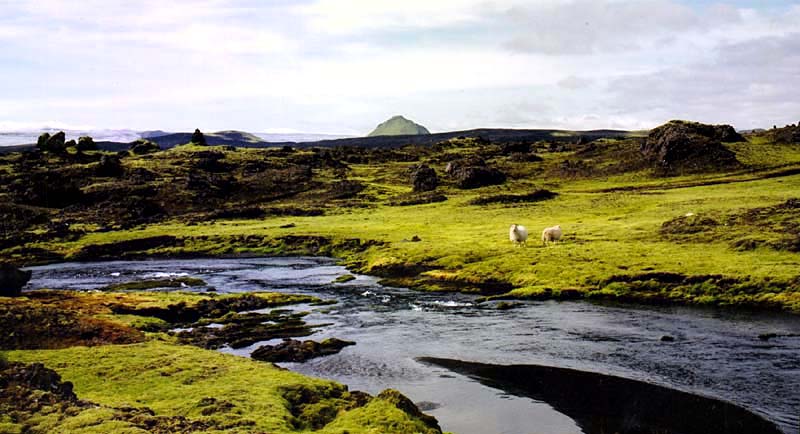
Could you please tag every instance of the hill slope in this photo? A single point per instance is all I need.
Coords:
(399, 126)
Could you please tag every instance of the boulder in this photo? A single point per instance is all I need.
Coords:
(474, 173)
(198, 138)
(12, 279)
(54, 143)
(41, 143)
(679, 146)
(455, 165)
(424, 178)
(479, 176)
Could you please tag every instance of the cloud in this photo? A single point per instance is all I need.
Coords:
(324, 65)
(750, 84)
(214, 27)
(588, 26)
(573, 83)
(358, 16)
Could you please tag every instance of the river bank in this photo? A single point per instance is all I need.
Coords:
(720, 353)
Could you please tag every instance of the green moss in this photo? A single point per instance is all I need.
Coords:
(380, 415)
(144, 323)
(344, 278)
(185, 381)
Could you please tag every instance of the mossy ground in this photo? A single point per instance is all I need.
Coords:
(224, 393)
(132, 382)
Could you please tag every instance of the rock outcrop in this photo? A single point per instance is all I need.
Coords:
(680, 146)
(424, 178)
(473, 173)
(790, 134)
(198, 138)
(54, 143)
(292, 350)
(12, 279)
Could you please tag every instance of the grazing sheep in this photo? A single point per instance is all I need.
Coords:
(518, 234)
(551, 234)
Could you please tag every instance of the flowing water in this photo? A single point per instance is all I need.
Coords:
(717, 353)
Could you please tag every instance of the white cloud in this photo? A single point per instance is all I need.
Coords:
(749, 84)
(588, 26)
(38, 126)
(573, 83)
(342, 65)
(355, 16)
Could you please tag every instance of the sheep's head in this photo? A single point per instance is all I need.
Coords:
(514, 227)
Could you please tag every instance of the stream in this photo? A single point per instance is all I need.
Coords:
(716, 353)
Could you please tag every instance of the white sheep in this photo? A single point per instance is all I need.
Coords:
(551, 234)
(518, 234)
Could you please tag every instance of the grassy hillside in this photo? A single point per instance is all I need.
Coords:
(399, 126)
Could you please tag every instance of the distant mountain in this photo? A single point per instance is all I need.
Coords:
(154, 133)
(399, 126)
(299, 137)
(499, 135)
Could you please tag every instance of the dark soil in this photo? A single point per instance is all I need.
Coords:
(534, 196)
(38, 324)
(417, 199)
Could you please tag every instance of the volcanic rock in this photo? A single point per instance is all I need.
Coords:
(424, 178)
(474, 173)
(292, 350)
(679, 146)
(54, 143)
(12, 279)
(198, 138)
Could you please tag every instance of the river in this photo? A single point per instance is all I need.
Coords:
(715, 352)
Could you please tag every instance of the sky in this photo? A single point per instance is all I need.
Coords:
(343, 66)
